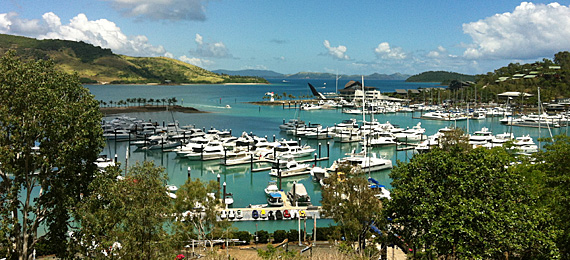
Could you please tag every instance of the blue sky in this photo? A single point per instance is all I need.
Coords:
(351, 37)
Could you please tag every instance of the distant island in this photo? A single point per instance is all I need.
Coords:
(147, 108)
(442, 77)
(96, 65)
(268, 74)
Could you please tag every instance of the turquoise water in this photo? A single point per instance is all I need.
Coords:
(248, 187)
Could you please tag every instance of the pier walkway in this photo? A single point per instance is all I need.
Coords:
(311, 212)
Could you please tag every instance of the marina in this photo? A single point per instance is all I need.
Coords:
(247, 180)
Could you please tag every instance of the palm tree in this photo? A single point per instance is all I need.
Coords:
(151, 101)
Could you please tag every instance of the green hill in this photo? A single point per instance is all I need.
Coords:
(443, 77)
(95, 64)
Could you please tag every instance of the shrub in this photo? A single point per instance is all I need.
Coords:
(262, 236)
(279, 236)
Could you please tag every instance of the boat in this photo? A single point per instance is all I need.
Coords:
(103, 161)
(299, 194)
(229, 198)
(414, 134)
(271, 188)
(291, 124)
(524, 145)
(382, 191)
(213, 151)
(292, 168)
(161, 144)
(275, 199)
(481, 137)
(239, 158)
(366, 163)
(499, 140)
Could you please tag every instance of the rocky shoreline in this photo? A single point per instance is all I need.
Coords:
(135, 109)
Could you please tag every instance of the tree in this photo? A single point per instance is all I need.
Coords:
(351, 203)
(468, 205)
(50, 137)
(129, 215)
(195, 207)
(552, 185)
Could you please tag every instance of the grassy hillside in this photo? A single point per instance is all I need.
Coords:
(95, 64)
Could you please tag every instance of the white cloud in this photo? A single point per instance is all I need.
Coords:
(202, 63)
(163, 9)
(336, 52)
(384, 51)
(102, 32)
(208, 49)
(530, 31)
(10, 23)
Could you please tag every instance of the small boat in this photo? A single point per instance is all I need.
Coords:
(271, 188)
(229, 199)
(299, 194)
(103, 161)
(239, 214)
(228, 106)
(275, 199)
(278, 215)
(254, 214)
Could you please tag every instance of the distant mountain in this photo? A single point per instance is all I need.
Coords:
(268, 74)
(97, 65)
(251, 73)
(440, 77)
(374, 76)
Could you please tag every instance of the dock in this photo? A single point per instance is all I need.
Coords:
(312, 212)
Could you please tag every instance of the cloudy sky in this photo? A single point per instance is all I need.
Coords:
(351, 37)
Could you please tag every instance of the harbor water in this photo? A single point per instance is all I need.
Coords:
(241, 116)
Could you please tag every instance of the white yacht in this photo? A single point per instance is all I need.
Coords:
(292, 168)
(481, 137)
(366, 163)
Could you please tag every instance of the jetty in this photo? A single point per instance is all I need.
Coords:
(311, 212)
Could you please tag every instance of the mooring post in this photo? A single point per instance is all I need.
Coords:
(189, 172)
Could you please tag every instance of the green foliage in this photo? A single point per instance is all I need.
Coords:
(279, 236)
(351, 203)
(275, 253)
(551, 180)
(554, 83)
(132, 211)
(468, 205)
(440, 76)
(195, 208)
(293, 235)
(262, 236)
(38, 187)
(243, 236)
(328, 233)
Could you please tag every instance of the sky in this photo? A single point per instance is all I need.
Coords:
(336, 36)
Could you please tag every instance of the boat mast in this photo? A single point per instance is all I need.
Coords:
(539, 113)
(336, 86)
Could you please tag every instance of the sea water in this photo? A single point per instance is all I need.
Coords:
(247, 187)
